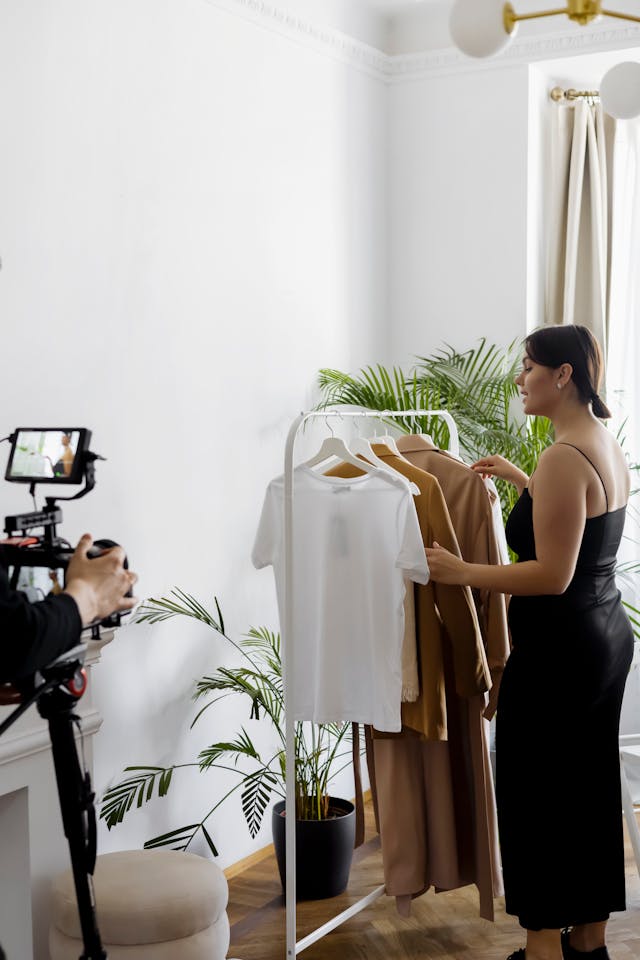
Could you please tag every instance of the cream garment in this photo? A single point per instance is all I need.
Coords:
(354, 541)
(498, 522)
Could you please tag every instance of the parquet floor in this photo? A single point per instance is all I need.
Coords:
(445, 926)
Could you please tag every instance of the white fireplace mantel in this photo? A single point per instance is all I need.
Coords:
(33, 847)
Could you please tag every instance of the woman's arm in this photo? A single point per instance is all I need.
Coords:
(559, 514)
(497, 466)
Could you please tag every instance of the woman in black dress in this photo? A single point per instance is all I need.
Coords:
(558, 777)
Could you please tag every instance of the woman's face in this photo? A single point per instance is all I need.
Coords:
(538, 387)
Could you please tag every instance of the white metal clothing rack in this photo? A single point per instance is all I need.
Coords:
(288, 655)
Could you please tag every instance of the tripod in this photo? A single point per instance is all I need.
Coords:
(57, 691)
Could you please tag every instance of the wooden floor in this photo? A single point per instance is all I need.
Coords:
(445, 926)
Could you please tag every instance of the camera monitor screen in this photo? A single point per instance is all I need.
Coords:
(48, 455)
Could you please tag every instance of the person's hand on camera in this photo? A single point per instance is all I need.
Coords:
(497, 466)
(99, 585)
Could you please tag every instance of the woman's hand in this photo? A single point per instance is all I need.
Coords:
(497, 466)
(445, 567)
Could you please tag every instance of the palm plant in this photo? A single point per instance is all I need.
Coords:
(319, 748)
(476, 386)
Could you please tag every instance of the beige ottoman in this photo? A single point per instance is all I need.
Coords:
(151, 905)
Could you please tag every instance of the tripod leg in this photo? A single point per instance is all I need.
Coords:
(76, 805)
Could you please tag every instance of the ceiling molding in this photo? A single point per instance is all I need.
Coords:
(523, 50)
(326, 40)
(407, 67)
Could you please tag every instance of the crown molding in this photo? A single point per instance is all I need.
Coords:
(406, 67)
(325, 40)
(522, 51)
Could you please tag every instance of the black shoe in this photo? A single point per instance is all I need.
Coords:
(518, 955)
(570, 953)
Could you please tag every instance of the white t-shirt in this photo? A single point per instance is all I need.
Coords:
(354, 541)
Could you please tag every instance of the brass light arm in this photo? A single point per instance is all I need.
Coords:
(580, 11)
(510, 17)
(620, 16)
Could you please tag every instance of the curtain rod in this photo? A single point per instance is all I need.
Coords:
(558, 95)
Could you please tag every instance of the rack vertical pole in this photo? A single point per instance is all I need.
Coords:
(288, 657)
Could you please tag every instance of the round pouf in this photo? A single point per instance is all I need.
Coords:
(159, 904)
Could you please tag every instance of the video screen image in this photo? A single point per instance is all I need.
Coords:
(44, 454)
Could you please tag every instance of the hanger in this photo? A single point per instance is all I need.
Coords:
(390, 442)
(360, 445)
(364, 447)
(336, 447)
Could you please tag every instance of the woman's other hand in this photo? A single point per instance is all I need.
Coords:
(497, 466)
(445, 567)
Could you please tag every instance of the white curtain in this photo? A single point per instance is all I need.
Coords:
(578, 249)
(623, 387)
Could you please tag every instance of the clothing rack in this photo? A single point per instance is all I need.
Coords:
(288, 655)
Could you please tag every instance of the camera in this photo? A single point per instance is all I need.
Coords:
(49, 455)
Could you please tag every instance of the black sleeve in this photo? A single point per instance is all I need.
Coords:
(33, 634)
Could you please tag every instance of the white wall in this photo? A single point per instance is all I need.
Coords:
(458, 209)
(191, 224)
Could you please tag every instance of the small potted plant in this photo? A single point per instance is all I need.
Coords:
(325, 825)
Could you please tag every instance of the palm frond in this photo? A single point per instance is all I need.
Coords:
(256, 796)
(242, 746)
(179, 839)
(183, 605)
(119, 798)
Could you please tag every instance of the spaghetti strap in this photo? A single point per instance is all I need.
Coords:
(565, 444)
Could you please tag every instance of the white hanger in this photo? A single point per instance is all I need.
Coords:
(360, 445)
(390, 442)
(336, 447)
(364, 447)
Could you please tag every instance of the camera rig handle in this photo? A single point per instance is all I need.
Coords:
(89, 459)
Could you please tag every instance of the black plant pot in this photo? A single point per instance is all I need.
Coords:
(324, 849)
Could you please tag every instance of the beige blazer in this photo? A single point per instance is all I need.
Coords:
(471, 515)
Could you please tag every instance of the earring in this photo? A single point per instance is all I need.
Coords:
(559, 386)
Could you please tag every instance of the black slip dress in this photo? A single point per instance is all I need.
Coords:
(557, 761)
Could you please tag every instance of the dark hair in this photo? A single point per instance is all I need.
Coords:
(570, 343)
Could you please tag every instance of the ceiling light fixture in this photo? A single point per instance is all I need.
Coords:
(481, 28)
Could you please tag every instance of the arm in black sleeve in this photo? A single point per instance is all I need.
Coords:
(33, 634)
